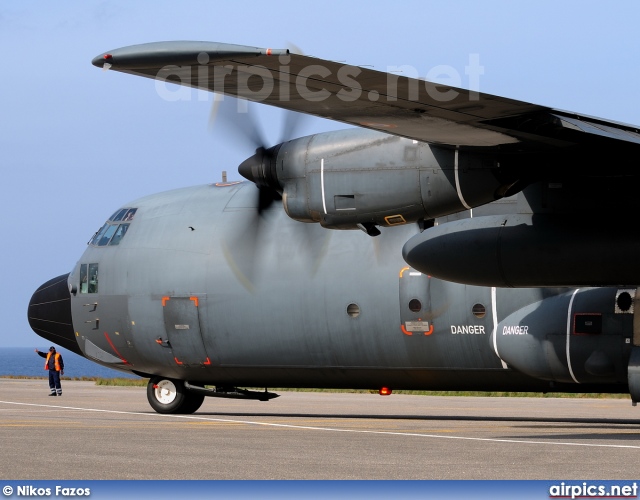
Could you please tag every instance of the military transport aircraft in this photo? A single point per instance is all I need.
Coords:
(517, 223)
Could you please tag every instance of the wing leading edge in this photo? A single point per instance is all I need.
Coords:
(398, 105)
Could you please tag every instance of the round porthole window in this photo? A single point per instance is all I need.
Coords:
(624, 301)
(415, 305)
(479, 311)
(353, 310)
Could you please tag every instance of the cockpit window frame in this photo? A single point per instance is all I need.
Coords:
(114, 230)
(118, 215)
(108, 234)
(99, 233)
(89, 275)
(120, 233)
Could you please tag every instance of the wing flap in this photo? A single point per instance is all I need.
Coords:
(585, 126)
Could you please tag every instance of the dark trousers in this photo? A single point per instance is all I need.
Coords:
(54, 382)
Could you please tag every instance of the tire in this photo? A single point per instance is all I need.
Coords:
(169, 396)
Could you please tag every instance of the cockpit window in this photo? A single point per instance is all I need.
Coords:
(129, 215)
(125, 214)
(112, 232)
(121, 231)
(93, 278)
(99, 234)
(84, 282)
(106, 236)
(118, 215)
(89, 278)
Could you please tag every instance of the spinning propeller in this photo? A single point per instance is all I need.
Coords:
(238, 120)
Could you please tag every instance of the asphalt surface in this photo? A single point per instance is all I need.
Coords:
(95, 432)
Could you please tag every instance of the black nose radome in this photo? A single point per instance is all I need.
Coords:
(50, 313)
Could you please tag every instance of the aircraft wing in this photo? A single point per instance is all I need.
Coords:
(388, 102)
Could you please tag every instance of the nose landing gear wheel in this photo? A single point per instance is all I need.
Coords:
(170, 396)
(165, 392)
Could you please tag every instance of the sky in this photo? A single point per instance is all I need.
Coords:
(76, 142)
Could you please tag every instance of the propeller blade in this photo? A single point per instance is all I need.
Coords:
(266, 197)
(235, 118)
(243, 250)
(294, 49)
(292, 122)
(291, 125)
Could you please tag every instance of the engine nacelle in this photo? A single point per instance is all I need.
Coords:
(350, 178)
(571, 338)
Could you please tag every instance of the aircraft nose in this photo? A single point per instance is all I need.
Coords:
(49, 313)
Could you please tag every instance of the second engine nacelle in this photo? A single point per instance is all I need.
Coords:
(580, 336)
(354, 178)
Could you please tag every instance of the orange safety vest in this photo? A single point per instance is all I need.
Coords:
(56, 361)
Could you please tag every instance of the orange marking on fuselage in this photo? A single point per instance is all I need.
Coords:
(114, 349)
(404, 330)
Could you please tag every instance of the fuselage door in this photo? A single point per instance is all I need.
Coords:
(415, 303)
(182, 324)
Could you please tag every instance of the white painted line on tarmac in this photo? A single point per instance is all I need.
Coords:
(326, 429)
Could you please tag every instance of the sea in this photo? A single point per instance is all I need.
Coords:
(24, 362)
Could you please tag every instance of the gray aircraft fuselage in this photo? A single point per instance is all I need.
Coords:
(203, 289)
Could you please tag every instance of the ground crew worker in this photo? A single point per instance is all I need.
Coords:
(55, 365)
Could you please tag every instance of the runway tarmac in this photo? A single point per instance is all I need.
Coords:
(97, 432)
